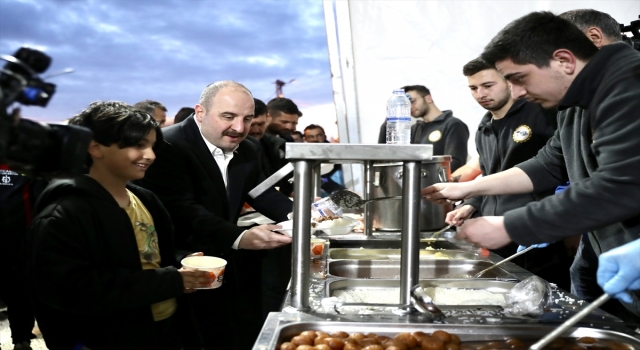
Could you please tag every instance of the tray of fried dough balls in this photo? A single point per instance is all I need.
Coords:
(363, 336)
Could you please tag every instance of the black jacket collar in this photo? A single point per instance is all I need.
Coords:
(584, 86)
(515, 108)
(442, 117)
(81, 185)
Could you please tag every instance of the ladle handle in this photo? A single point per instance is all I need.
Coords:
(381, 198)
(504, 261)
(569, 323)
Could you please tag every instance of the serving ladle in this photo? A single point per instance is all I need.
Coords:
(351, 200)
(423, 303)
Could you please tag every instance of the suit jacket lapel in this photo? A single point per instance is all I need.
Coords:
(237, 170)
(192, 134)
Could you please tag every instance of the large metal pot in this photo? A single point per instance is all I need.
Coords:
(387, 182)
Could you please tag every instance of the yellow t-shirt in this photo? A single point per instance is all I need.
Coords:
(147, 239)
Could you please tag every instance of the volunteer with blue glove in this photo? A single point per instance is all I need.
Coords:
(619, 270)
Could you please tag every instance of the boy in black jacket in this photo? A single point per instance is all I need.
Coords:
(100, 252)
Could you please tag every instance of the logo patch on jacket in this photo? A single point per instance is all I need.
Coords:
(522, 134)
(5, 177)
(435, 136)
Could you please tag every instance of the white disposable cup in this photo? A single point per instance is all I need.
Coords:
(215, 266)
(319, 261)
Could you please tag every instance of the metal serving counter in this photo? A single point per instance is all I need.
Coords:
(306, 159)
(478, 322)
(357, 260)
(280, 327)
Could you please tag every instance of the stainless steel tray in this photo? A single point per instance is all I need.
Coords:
(466, 333)
(390, 269)
(380, 243)
(394, 254)
(493, 286)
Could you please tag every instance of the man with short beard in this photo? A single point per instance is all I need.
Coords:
(511, 132)
(601, 29)
(447, 134)
(271, 147)
(595, 146)
(284, 115)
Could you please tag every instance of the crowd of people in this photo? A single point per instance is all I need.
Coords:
(575, 63)
(124, 277)
(95, 258)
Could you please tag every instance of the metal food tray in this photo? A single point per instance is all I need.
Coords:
(438, 268)
(493, 286)
(394, 254)
(467, 333)
(377, 243)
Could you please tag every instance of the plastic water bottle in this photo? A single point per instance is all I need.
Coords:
(398, 119)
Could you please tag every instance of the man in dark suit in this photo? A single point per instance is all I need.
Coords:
(272, 146)
(202, 173)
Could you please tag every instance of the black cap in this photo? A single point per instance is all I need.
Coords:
(284, 105)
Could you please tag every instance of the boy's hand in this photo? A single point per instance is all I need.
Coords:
(195, 279)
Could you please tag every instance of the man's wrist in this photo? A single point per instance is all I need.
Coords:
(236, 244)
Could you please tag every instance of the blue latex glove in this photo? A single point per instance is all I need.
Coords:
(619, 270)
(562, 188)
(539, 245)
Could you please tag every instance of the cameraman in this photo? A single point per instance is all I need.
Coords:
(18, 195)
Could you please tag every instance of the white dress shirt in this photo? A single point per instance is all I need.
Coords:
(222, 159)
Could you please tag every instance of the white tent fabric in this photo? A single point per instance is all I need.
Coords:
(397, 43)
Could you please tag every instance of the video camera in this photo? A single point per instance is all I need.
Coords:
(633, 28)
(27, 146)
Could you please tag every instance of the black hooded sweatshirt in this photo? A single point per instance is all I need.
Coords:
(597, 149)
(83, 262)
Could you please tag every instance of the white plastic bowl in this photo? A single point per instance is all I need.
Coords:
(339, 230)
(287, 228)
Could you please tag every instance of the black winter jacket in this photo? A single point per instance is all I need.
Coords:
(88, 283)
(597, 149)
(506, 142)
(448, 135)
